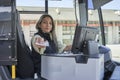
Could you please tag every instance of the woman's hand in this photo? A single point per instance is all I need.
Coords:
(39, 42)
(67, 48)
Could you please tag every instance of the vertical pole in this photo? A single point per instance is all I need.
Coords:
(46, 6)
(13, 25)
(101, 26)
(13, 72)
(83, 14)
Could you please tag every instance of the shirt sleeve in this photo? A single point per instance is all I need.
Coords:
(38, 50)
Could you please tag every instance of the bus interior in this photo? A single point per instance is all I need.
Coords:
(15, 59)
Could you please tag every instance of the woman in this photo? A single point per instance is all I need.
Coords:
(44, 41)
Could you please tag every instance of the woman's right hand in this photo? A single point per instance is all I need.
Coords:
(39, 42)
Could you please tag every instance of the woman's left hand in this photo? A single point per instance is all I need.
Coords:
(68, 48)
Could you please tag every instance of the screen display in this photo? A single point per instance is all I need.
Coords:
(82, 34)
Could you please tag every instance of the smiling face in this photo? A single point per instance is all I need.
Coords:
(46, 25)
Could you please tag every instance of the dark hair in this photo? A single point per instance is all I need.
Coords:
(52, 32)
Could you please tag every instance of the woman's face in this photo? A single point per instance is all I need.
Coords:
(46, 25)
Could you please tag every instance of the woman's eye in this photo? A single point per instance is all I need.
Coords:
(44, 22)
(50, 23)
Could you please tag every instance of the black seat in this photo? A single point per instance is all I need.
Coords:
(25, 66)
